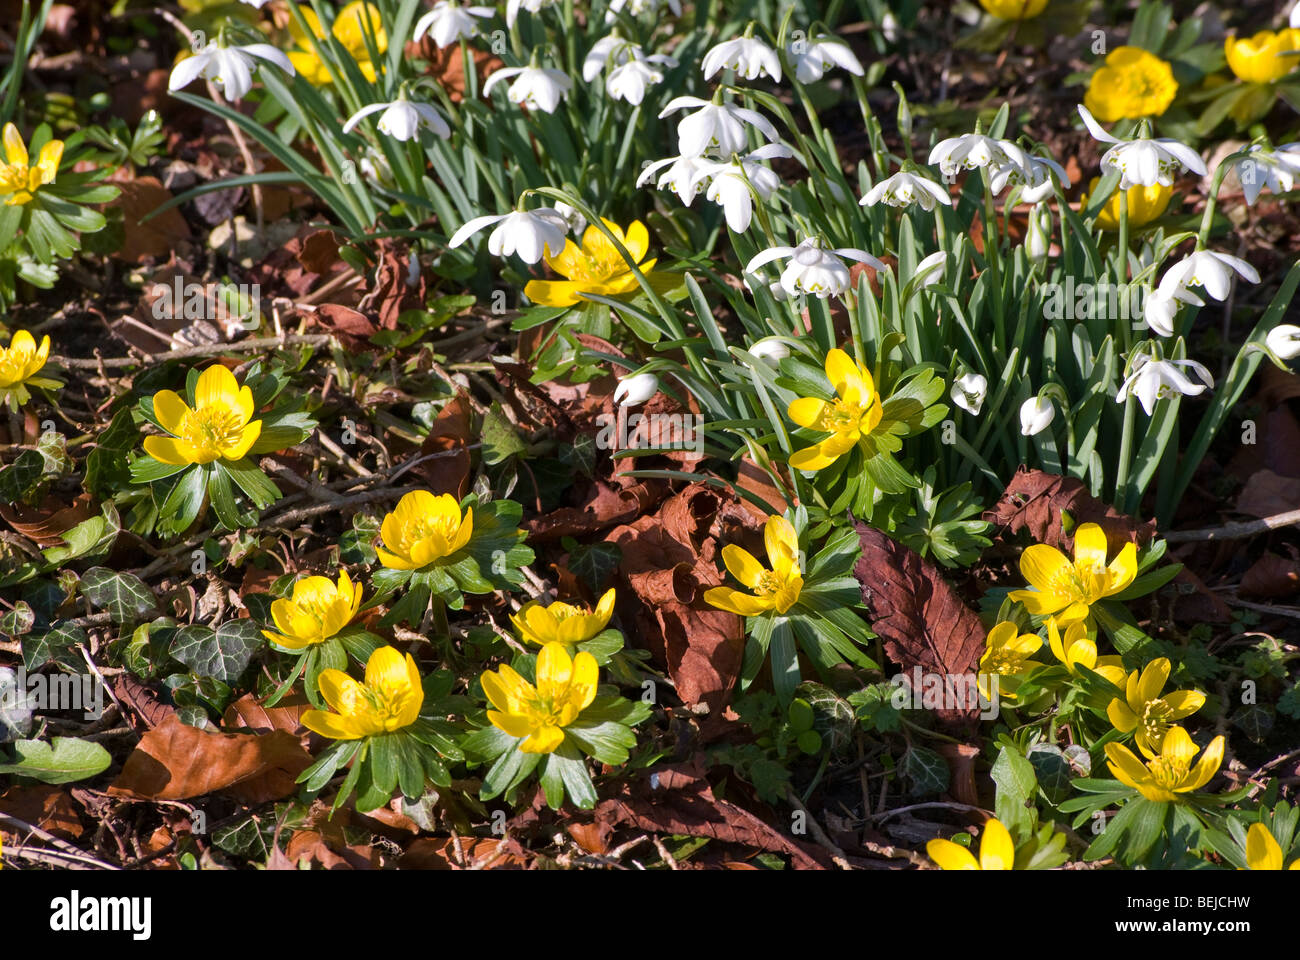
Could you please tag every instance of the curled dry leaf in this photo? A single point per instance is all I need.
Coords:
(174, 761)
(1034, 501)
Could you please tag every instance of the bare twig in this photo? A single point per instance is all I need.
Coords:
(1238, 530)
(202, 350)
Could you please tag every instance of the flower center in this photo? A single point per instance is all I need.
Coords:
(1167, 772)
(1155, 720)
(212, 428)
(846, 417)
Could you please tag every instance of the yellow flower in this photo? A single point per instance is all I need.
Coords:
(1263, 852)
(848, 419)
(562, 622)
(1259, 59)
(1066, 590)
(19, 181)
(423, 529)
(597, 267)
(1166, 777)
(1006, 654)
(19, 364)
(1014, 9)
(319, 609)
(1078, 650)
(1132, 83)
(997, 851)
(1143, 708)
(349, 30)
(220, 427)
(390, 698)
(539, 714)
(775, 589)
(1144, 205)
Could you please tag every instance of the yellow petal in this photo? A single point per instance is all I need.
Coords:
(807, 411)
(544, 739)
(586, 675)
(1262, 849)
(743, 565)
(554, 668)
(330, 725)
(951, 856)
(552, 293)
(15, 149)
(511, 723)
(171, 411)
(216, 387)
(843, 373)
(1125, 766)
(1121, 717)
(247, 437)
(386, 670)
(1090, 546)
(1122, 570)
(1151, 682)
(48, 164)
(1205, 768)
(167, 450)
(1041, 565)
(1184, 703)
(733, 601)
(779, 538)
(637, 240)
(340, 691)
(997, 852)
(605, 608)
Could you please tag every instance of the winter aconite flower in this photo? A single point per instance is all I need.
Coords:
(19, 178)
(423, 529)
(231, 68)
(1263, 852)
(1078, 652)
(1066, 589)
(1264, 58)
(1145, 710)
(849, 418)
(219, 427)
(997, 851)
(1007, 653)
(389, 700)
(318, 609)
(540, 624)
(1132, 83)
(595, 267)
(773, 589)
(354, 24)
(19, 364)
(565, 687)
(1167, 777)
(1145, 204)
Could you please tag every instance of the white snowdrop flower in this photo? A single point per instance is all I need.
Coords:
(1283, 340)
(259, 4)
(1035, 176)
(575, 220)
(734, 185)
(1144, 160)
(1038, 238)
(972, 150)
(638, 7)
(231, 68)
(402, 119)
(1276, 169)
(889, 26)
(1295, 16)
(771, 350)
(630, 80)
(748, 56)
(904, 189)
(719, 127)
(930, 270)
(969, 391)
(448, 21)
(1159, 311)
(636, 389)
(812, 58)
(607, 51)
(529, 233)
(1036, 414)
(682, 176)
(773, 287)
(814, 269)
(1151, 380)
(1207, 269)
(540, 88)
(532, 6)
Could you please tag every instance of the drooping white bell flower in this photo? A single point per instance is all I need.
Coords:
(719, 127)
(969, 391)
(402, 119)
(630, 80)
(1151, 380)
(904, 189)
(930, 270)
(1276, 169)
(1038, 238)
(682, 176)
(972, 150)
(814, 269)
(540, 88)
(636, 389)
(731, 183)
(748, 56)
(572, 216)
(611, 51)
(1144, 160)
(638, 7)
(259, 4)
(1283, 340)
(1036, 415)
(812, 58)
(771, 350)
(889, 26)
(1207, 269)
(532, 6)
(231, 68)
(448, 21)
(1034, 175)
(529, 233)
(1160, 310)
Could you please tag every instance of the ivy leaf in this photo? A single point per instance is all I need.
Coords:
(19, 620)
(500, 440)
(593, 563)
(64, 760)
(57, 644)
(223, 653)
(123, 595)
(17, 479)
(927, 770)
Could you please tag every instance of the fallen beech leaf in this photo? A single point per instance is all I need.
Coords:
(1034, 501)
(44, 806)
(174, 761)
(161, 235)
(451, 431)
(1271, 576)
(1267, 493)
(286, 715)
(47, 523)
(439, 853)
(319, 251)
(345, 320)
(142, 700)
(917, 613)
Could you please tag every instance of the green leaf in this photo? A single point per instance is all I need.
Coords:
(927, 771)
(123, 595)
(224, 653)
(58, 643)
(500, 441)
(64, 760)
